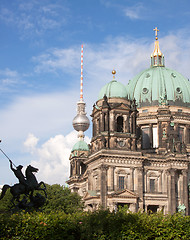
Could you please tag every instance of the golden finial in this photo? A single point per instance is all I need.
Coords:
(156, 32)
(157, 59)
(113, 72)
(157, 48)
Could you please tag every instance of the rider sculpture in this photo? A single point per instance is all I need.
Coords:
(18, 173)
(26, 186)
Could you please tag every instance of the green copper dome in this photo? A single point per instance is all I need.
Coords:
(159, 83)
(80, 146)
(113, 89)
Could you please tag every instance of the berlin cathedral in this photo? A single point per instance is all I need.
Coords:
(139, 155)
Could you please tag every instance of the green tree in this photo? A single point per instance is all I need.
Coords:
(58, 198)
(5, 203)
(61, 198)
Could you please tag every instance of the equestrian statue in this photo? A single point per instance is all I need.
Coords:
(27, 184)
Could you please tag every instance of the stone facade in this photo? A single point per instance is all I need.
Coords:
(136, 158)
(139, 154)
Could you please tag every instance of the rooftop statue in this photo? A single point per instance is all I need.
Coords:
(27, 184)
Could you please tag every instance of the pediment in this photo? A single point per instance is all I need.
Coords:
(126, 193)
(90, 194)
(120, 106)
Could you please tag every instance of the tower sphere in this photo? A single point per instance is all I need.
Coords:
(81, 122)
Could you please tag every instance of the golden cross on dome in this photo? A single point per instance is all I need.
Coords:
(156, 32)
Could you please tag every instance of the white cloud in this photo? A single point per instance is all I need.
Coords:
(135, 12)
(57, 59)
(33, 19)
(52, 157)
(9, 77)
(43, 115)
(176, 48)
(31, 142)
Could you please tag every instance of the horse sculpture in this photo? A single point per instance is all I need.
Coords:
(27, 189)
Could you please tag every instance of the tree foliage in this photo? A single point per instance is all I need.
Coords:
(5, 203)
(97, 225)
(61, 198)
(58, 198)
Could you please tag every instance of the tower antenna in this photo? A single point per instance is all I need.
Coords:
(81, 77)
(81, 122)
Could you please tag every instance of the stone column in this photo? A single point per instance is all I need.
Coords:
(94, 128)
(130, 125)
(112, 121)
(71, 169)
(89, 172)
(106, 121)
(140, 186)
(160, 184)
(159, 134)
(124, 123)
(176, 127)
(135, 179)
(77, 167)
(186, 134)
(134, 123)
(112, 178)
(102, 122)
(185, 197)
(103, 186)
(164, 182)
(145, 180)
(171, 191)
(132, 179)
(127, 124)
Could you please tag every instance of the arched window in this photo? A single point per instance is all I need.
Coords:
(152, 185)
(120, 124)
(145, 137)
(181, 134)
(82, 168)
(121, 182)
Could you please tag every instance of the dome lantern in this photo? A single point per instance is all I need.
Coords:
(157, 58)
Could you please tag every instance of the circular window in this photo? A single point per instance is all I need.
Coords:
(178, 90)
(173, 75)
(145, 90)
(147, 75)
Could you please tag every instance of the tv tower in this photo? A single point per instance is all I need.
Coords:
(81, 122)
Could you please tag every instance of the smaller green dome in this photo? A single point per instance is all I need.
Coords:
(113, 89)
(80, 146)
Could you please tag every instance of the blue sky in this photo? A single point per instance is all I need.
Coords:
(40, 68)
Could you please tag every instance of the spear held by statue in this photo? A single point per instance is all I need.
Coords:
(7, 156)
